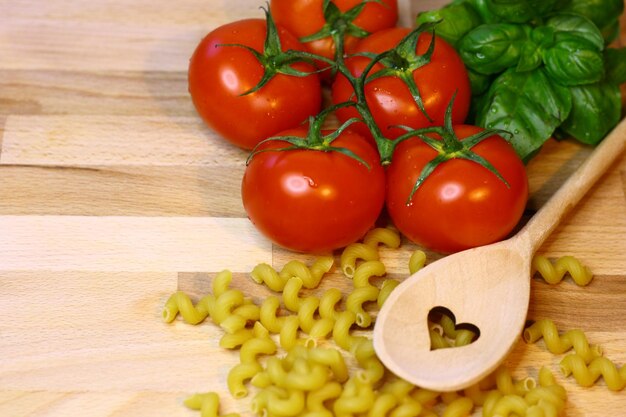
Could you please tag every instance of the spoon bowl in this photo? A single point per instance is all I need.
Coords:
(487, 286)
(497, 307)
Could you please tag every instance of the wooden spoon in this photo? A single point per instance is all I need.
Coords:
(487, 286)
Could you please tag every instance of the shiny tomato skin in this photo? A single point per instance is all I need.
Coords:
(219, 75)
(313, 201)
(461, 204)
(389, 99)
(305, 17)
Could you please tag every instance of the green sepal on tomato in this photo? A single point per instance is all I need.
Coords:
(242, 69)
(327, 28)
(408, 87)
(312, 190)
(455, 187)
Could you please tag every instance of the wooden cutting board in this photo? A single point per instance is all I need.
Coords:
(113, 195)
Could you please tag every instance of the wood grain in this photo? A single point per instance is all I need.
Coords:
(113, 194)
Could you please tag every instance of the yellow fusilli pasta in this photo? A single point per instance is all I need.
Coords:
(382, 235)
(558, 344)
(354, 252)
(208, 404)
(416, 261)
(554, 273)
(587, 375)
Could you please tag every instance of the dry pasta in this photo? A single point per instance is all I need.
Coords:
(329, 303)
(268, 315)
(236, 339)
(459, 407)
(355, 303)
(315, 381)
(315, 401)
(416, 261)
(208, 404)
(221, 282)
(367, 270)
(356, 397)
(179, 302)
(587, 375)
(385, 290)
(558, 344)
(354, 252)
(382, 235)
(553, 273)
(276, 281)
(383, 404)
(407, 408)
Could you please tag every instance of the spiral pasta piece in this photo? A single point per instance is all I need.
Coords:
(208, 405)
(587, 375)
(356, 300)
(367, 270)
(310, 277)
(180, 303)
(236, 339)
(385, 290)
(289, 403)
(553, 273)
(221, 282)
(416, 261)
(408, 407)
(459, 407)
(316, 400)
(264, 273)
(372, 368)
(329, 302)
(559, 344)
(356, 397)
(352, 253)
(382, 235)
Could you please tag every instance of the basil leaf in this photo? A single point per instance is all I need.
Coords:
(571, 24)
(492, 48)
(574, 61)
(528, 105)
(486, 15)
(596, 109)
(456, 20)
(601, 12)
(520, 11)
(615, 64)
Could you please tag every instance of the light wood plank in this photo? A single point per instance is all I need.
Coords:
(99, 93)
(121, 191)
(129, 244)
(109, 36)
(114, 140)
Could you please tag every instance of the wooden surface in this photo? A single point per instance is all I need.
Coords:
(113, 195)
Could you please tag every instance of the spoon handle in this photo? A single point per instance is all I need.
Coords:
(569, 194)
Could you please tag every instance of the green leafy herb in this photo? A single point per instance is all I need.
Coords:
(596, 108)
(540, 68)
(527, 104)
(492, 48)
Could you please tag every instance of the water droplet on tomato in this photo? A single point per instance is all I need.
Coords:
(311, 182)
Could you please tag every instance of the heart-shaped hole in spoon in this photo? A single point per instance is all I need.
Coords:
(445, 332)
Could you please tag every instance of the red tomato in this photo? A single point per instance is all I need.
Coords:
(306, 17)
(389, 99)
(219, 75)
(313, 201)
(461, 204)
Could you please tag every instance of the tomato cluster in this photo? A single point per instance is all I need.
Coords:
(400, 96)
